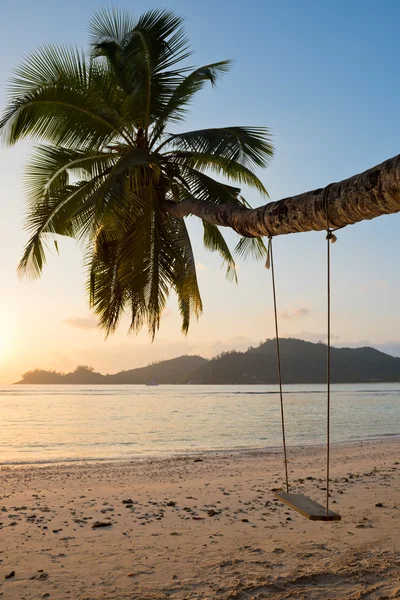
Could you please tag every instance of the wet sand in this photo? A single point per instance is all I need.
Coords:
(202, 527)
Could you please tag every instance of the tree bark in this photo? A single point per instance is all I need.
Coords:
(362, 197)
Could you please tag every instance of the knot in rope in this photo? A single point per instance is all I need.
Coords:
(269, 249)
(331, 236)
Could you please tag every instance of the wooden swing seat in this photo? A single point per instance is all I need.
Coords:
(307, 507)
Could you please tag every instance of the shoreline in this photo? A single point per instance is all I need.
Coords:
(144, 385)
(256, 451)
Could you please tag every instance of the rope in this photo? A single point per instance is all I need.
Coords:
(328, 359)
(330, 237)
(270, 262)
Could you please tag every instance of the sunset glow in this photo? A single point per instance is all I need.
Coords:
(47, 323)
(6, 337)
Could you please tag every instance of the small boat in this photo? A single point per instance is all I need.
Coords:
(152, 382)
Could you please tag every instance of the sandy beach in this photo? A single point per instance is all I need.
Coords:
(202, 527)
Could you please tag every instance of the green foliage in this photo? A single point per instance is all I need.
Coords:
(303, 362)
(175, 370)
(107, 161)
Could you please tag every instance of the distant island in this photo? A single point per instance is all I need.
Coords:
(302, 362)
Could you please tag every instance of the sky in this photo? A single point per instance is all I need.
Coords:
(323, 76)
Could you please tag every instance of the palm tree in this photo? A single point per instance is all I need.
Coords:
(110, 170)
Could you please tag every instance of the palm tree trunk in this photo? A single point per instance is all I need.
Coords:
(365, 196)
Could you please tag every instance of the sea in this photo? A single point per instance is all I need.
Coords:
(63, 423)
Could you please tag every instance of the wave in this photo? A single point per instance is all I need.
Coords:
(142, 391)
(285, 392)
(180, 454)
(337, 391)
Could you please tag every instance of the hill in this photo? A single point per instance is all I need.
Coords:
(302, 362)
(176, 370)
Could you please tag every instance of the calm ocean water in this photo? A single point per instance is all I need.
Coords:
(64, 423)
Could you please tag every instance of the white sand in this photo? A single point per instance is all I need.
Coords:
(252, 548)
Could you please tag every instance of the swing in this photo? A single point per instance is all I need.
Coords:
(299, 502)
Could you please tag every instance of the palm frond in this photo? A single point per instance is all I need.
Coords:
(143, 57)
(251, 248)
(119, 200)
(50, 216)
(215, 241)
(234, 171)
(110, 25)
(183, 270)
(50, 168)
(135, 274)
(161, 33)
(50, 63)
(205, 188)
(60, 96)
(249, 146)
(107, 293)
(177, 105)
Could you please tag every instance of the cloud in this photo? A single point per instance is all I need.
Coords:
(295, 313)
(167, 313)
(200, 266)
(81, 322)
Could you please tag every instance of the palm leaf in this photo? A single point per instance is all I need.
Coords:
(214, 241)
(234, 171)
(162, 34)
(251, 247)
(142, 57)
(184, 275)
(182, 95)
(249, 146)
(60, 96)
(107, 294)
(110, 25)
(50, 168)
(122, 179)
(52, 216)
(205, 188)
